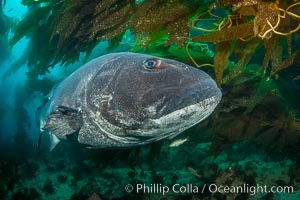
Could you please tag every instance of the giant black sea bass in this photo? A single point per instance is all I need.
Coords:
(122, 100)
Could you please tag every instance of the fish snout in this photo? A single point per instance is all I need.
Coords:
(201, 87)
(197, 90)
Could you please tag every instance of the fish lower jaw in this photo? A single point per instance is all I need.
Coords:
(181, 120)
(198, 110)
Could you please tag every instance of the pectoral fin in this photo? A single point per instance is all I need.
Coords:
(53, 141)
(64, 121)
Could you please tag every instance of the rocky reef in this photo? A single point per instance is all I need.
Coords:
(104, 174)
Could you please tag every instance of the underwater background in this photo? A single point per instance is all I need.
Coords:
(251, 49)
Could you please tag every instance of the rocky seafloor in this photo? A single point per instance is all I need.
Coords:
(72, 172)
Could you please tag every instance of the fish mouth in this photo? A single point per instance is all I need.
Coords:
(206, 95)
(194, 105)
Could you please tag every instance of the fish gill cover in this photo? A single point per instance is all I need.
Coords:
(251, 48)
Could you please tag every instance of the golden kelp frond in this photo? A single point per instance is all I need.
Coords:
(277, 56)
(60, 30)
(172, 16)
(115, 25)
(69, 20)
(234, 3)
(269, 45)
(75, 26)
(285, 25)
(149, 17)
(228, 34)
(268, 17)
(286, 63)
(243, 52)
(142, 39)
(109, 20)
(253, 22)
(221, 59)
(265, 13)
(178, 32)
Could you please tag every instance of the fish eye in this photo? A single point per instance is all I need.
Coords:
(151, 63)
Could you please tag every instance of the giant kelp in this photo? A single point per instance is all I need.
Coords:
(254, 23)
(5, 23)
(61, 30)
(254, 110)
(170, 16)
